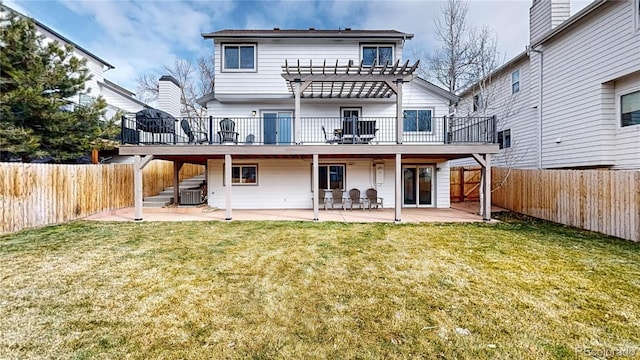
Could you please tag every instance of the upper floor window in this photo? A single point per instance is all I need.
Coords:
(630, 109)
(239, 57)
(417, 120)
(477, 102)
(504, 139)
(515, 81)
(380, 54)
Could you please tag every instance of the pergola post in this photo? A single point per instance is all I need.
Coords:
(177, 165)
(399, 112)
(316, 186)
(398, 190)
(296, 114)
(227, 185)
(138, 191)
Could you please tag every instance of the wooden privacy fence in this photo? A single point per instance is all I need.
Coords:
(598, 200)
(465, 184)
(42, 194)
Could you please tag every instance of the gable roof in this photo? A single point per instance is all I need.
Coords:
(59, 36)
(437, 89)
(346, 33)
(129, 95)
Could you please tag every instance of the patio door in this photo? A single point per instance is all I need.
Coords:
(277, 127)
(418, 185)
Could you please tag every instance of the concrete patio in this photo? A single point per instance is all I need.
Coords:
(466, 212)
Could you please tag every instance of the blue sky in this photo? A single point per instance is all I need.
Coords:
(140, 36)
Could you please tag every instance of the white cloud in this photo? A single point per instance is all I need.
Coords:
(140, 36)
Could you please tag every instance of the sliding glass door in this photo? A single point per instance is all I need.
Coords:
(277, 127)
(418, 186)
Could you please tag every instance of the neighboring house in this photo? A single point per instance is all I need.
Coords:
(572, 99)
(298, 113)
(117, 97)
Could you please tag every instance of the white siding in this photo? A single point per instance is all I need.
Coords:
(443, 183)
(539, 19)
(271, 57)
(628, 137)
(545, 15)
(585, 70)
(516, 112)
(118, 101)
(601, 48)
(286, 183)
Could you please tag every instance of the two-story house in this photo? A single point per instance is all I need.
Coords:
(572, 98)
(297, 114)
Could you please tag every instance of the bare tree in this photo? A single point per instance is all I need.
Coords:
(195, 81)
(450, 61)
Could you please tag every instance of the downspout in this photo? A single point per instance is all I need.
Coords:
(540, 109)
(540, 77)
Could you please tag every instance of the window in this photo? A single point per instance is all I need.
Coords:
(331, 176)
(380, 54)
(504, 139)
(477, 102)
(515, 81)
(636, 10)
(243, 175)
(417, 120)
(630, 109)
(239, 57)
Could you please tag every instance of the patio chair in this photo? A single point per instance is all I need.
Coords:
(332, 140)
(355, 199)
(191, 134)
(373, 199)
(337, 199)
(322, 200)
(227, 131)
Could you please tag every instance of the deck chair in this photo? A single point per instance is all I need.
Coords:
(227, 131)
(322, 201)
(373, 199)
(337, 198)
(355, 199)
(191, 134)
(328, 140)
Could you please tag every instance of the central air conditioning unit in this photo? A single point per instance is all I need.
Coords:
(191, 197)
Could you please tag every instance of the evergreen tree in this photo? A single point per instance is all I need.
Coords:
(38, 80)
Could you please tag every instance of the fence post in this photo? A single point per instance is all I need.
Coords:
(462, 183)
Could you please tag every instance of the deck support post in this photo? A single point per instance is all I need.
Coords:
(138, 164)
(485, 185)
(399, 111)
(177, 165)
(316, 186)
(227, 185)
(398, 191)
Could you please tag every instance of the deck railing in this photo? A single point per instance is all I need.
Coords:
(313, 130)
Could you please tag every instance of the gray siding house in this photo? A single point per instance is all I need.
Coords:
(572, 98)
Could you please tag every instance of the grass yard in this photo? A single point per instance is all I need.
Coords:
(520, 289)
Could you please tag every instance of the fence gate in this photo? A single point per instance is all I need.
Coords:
(465, 184)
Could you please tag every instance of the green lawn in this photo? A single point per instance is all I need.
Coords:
(520, 289)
